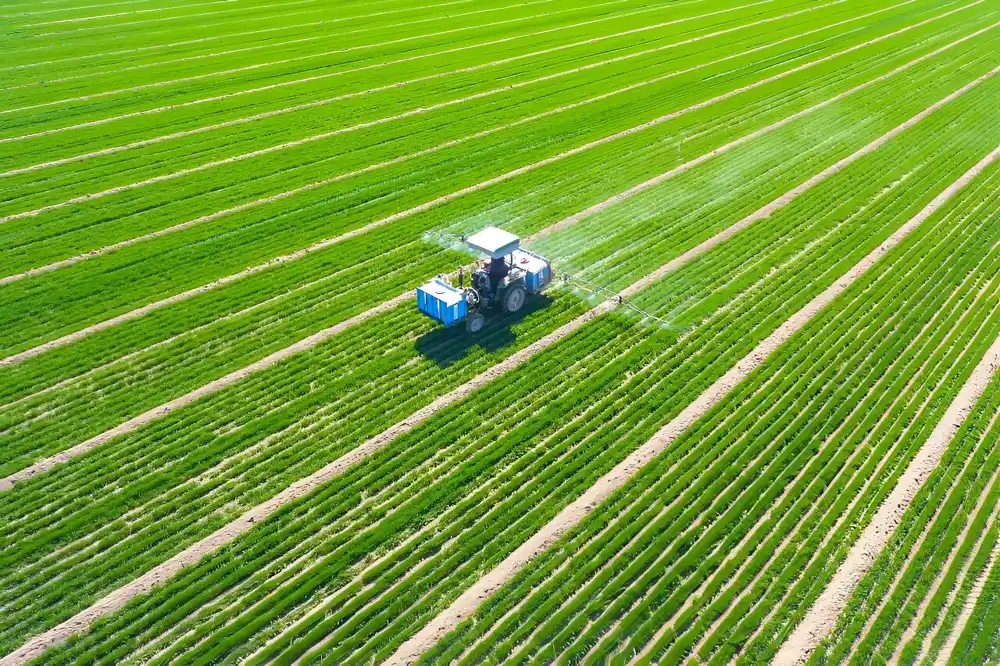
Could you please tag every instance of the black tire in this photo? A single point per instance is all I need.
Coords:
(513, 299)
(475, 322)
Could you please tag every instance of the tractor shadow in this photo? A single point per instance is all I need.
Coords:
(445, 346)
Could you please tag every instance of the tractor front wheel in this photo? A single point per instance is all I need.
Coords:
(513, 299)
(474, 323)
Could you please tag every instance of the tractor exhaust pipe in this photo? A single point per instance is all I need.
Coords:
(461, 277)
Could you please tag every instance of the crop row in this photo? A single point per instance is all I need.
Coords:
(979, 642)
(908, 605)
(53, 420)
(134, 279)
(718, 543)
(23, 421)
(49, 46)
(150, 44)
(166, 190)
(297, 77)
(533, 440)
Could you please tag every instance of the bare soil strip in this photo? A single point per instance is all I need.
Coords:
(843, 473)
(573, 514)
(880, 468)
(244, 49)
(911, 630)
(280, 5)
(191, 555)
(786, 198)
(461, 100)
(569, 599)
(407, 82)
(323, 244)
(111, 4)
(224, 535)
(823, 614)
(224, 21)
(217, 12)
(238, 70)
(170, 45)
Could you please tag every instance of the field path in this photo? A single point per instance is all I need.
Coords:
(572, 515)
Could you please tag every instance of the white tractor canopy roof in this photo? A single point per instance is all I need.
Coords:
(493, 242)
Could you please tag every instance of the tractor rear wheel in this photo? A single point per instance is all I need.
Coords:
(474, 323)
(514, 298)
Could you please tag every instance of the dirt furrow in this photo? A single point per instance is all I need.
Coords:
(96, 17)
(853, 503)
(967, 609)
(188, 42)
(911, 630)
(694, 595)
(111, 4)
(257, 66)
(422, 110)
(224, 535)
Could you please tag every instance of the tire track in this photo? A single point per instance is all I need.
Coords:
(573, 514)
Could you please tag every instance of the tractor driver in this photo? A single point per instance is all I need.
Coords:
(498, 271)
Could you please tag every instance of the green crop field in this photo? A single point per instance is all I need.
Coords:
(754, 418)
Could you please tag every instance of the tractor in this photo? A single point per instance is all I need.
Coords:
(501, 284)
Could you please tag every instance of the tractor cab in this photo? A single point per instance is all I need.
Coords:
(502, 283)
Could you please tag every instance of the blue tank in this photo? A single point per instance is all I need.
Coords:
(443, 302)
